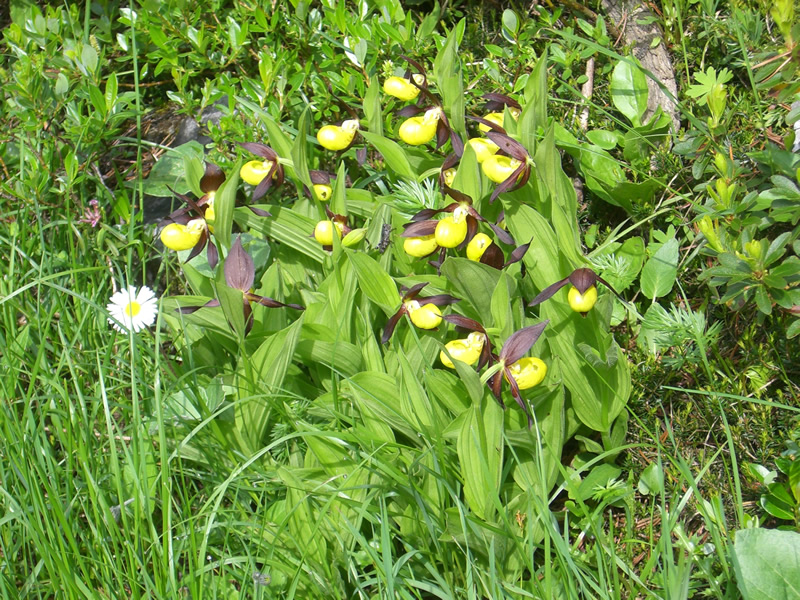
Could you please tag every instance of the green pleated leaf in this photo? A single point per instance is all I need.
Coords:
(534, 111)
(284, 226)
(394, 155)
(299, 151)
(342, 357)
(224, 203)
(416, 405)
(480, 455)
(378, 396)
(474, 282)
(372, 106)
(375, 282)
(267, 366)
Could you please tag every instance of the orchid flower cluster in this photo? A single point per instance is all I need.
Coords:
(431, 232)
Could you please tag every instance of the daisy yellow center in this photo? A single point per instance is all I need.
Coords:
(132, 308)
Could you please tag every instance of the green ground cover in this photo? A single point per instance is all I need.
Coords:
(433, 320)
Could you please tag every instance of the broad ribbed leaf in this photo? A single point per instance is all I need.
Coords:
(375, 282)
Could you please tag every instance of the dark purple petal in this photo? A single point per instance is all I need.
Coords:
(198, 247)
(260, 150)
(271, 303)
(517, 254)
(442, 133)
(260, 211)
(518, 396)
(361, 156)
(187, 310)
(419, 229)
(426, 213)
(495, 385)
(509, 183)
(459, 197)
(391, 324)
(212, 178)
(493, 257)
(240, 271)
(608, 285)
(451, 160)
(509, 145)
(262, 188)
(499, 101)
(275, 174)
(320, 177)
(414, 290)
(413, 63)
(439, 300)
(583, 279)
(411, 110)
(518, 344)
(457, 142)
(464, 323)
(492, 126)
(548, 292)
(502, 234)
(212, 255)
(486, 353)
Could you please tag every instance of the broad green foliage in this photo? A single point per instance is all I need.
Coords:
(390, 360)
(767, 563)
(364, 351)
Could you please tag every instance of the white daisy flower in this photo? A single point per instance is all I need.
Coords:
(132, 309)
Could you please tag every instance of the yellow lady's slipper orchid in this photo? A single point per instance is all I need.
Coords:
(466, 350)
(323, 191)
(334, 137)
(582, 303)
(477, 246)
(483, 148)
(254, 171)
(449, 176)
(497, 118)
(427, 316)
(210, 214)
(400, 88)
(323, 232)
(498, 168)
(420, 246)
(420, 130)
(176, 236)
(528, 372)
(452, 230)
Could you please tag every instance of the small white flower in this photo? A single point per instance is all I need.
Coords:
(132, 309)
